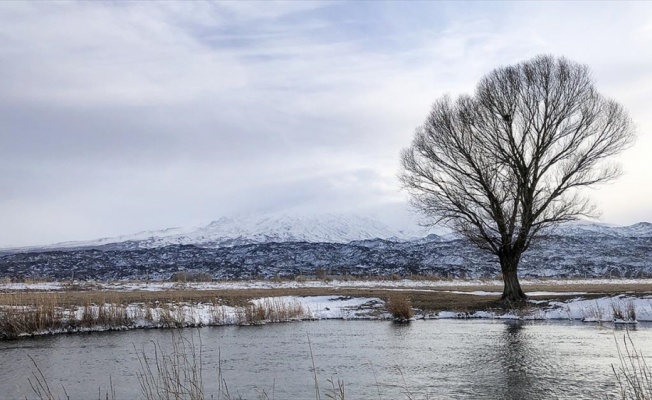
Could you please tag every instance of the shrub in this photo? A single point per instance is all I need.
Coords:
(320, 273)
(626, 314)
(617, 311)
(399, 306)
(631, 311)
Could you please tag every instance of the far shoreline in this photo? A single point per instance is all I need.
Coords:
(46, 308)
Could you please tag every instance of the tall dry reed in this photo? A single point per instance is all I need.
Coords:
(633, 375)
(270, 310)
(175, 375)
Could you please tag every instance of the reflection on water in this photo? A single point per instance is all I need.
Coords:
(517, 357)
(434, 359)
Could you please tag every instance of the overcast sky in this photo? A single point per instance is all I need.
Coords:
(118, 117)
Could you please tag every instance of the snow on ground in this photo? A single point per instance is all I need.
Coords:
(44, 286)
(175, 315)
(529, 294)
(267, 284)
(616, 309)
(622, 308)
(603, 309)
(330, 307)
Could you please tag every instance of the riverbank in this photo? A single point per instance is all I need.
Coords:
(28, 309)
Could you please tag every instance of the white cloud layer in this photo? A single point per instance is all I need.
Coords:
(122, 116)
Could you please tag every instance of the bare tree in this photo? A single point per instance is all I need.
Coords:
(501, 166)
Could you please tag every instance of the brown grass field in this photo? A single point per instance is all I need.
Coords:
(425, 299)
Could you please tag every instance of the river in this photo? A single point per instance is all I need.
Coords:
(447, 359)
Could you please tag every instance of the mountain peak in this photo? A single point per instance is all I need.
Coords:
(248, 229)
(313, 228)
(337, 228)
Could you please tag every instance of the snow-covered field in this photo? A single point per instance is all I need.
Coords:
(621, 308)
(297, 308)
(268, 284)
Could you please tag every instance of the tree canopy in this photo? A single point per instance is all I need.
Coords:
(502, 165)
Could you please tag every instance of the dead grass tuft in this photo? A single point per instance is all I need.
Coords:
(626, 312)
(270, 310)
(631, 310)
(400, 306)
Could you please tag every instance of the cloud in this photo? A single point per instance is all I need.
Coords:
(123, 116)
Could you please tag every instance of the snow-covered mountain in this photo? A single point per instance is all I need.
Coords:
(231, 248)
(581, 228)
(233, 231)
(316, 228)
(322, 228)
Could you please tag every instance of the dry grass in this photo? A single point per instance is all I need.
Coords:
(280, 310)
(171, 316)
(631, 310)
(270, 310)
(252, 314)
(399, 306)
(617, 310)
(42, 390)
(595, 313)
(76, 295)
(626, 312)
(28, 312)
(633, 375)
(16, 317)
(32, 313)
(172, 376)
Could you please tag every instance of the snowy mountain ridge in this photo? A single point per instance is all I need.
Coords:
(241, 248)
(582, 228)
(233, 231)
(318, 228)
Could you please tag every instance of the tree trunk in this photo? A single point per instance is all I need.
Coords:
(512, 291)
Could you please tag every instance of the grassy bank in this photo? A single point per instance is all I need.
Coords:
(24, 314)
(427, 295)
(90, 307)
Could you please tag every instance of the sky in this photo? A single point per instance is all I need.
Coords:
(119, 117)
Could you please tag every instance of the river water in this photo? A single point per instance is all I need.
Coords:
(437, 359)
